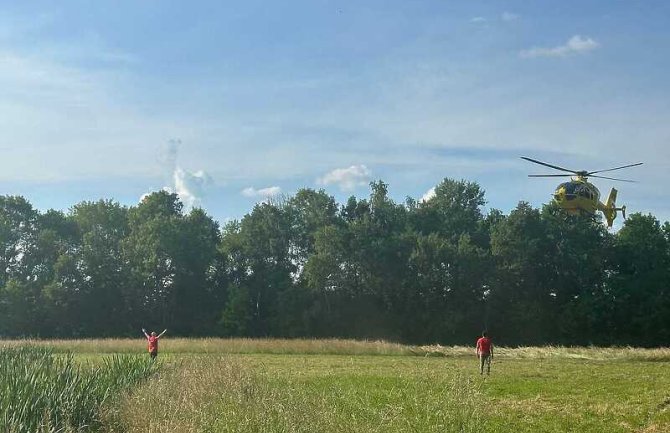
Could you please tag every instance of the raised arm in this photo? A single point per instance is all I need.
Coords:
(144, 331)
(161, 334)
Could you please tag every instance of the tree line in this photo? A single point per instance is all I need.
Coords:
(433, 271)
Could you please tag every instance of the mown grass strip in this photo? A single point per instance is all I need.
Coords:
(222, 394)
(275, 393)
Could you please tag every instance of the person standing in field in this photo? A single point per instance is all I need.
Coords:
(152, 340)
(484, 352)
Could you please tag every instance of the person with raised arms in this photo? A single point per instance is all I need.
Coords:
(152, 340)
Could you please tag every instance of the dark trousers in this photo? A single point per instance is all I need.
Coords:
(484, 359)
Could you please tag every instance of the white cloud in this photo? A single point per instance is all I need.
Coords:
(428, 195)
(190, 186)
(264, 193)
(509, 16)
(478, 20)
(347, 178)
(574, 45)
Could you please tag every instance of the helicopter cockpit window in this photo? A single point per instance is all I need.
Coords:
(583, 191)
(569, 188)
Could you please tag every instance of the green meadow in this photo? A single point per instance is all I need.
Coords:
(216, 385)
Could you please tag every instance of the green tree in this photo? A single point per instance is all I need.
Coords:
(455, 209)
(581, 247)
(259, 256)
(150, 249)
(103, 273)
(19, 296)
(638, 285)
(358, 267)
(521, 302)
(171, 258)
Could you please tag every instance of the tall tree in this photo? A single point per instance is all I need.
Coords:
(521, 302)
(104, 273)
(19, 296)
(638, 287)
(151, 249)
(581, 248)
(262, 249)
(454, 209)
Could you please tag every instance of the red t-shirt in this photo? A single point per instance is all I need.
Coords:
(484, 345)
(153, 343)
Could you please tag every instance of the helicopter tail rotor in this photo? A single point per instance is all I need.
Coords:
(609, 210)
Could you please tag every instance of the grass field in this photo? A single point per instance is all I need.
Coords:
(342, 386)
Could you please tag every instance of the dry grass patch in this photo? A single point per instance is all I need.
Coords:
(223, 346)
(555, 352)
(179, 399)
(335, 347)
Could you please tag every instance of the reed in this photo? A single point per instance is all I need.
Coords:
(47, 393)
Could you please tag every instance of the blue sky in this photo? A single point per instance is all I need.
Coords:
(229, 102)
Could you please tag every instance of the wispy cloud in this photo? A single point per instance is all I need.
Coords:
(62, 118)
(509, 16)
(347, 178)
(505, 16)
(264, 193)
(575, 45)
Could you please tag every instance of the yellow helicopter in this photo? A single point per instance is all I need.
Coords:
(579, 196)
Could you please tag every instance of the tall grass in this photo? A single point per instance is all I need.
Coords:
(336, 347)
(43, 392)
(332, 346)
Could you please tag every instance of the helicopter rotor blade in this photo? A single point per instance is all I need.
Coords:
(616, 168)
(614, 178)
(549, 175)
(555, 167)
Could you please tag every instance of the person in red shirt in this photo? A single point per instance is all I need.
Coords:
(485, 353)
(152, 340)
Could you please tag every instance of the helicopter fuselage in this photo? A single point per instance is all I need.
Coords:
(578, 196)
